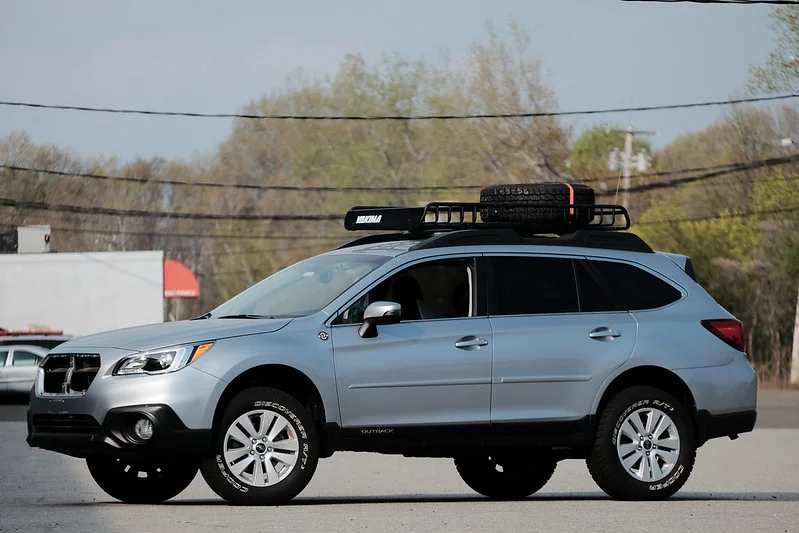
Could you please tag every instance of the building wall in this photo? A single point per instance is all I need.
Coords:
(81, 293)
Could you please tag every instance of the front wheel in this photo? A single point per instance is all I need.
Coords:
(505, 477)
(142, 481)
(266, 449)
(645, 445)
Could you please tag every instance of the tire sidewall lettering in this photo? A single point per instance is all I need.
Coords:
(301, 431)
(663, 406)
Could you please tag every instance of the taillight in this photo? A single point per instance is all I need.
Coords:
(729, 330)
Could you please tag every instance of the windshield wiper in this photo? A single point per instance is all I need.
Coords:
(203, 317)
(246, 316)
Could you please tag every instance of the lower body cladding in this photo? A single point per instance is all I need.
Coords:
(125, 431)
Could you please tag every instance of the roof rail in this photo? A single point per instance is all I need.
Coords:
(451, 216)
(585, 238)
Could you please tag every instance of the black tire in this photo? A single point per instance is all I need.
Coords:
(605, 463)
(238, 491)
(518, 477)
(550, 220)
(148, 481)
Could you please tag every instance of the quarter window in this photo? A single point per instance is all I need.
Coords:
(637, 288)
(533, 285)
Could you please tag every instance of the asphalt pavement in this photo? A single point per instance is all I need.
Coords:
(750, 484)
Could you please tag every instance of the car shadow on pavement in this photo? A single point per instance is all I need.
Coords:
(458, 498)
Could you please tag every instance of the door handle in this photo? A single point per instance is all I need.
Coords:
(604, 334)
(470, 342)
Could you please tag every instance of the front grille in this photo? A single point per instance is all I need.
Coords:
(65, 424)
(69, 374)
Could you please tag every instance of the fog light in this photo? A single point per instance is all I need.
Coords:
(143, 429)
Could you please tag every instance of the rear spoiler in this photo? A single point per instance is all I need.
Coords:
(684, 262)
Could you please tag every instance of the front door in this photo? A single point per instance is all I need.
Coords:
(432, 368)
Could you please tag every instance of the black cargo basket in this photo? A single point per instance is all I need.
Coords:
(451, 216)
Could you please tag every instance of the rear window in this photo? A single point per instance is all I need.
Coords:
(637, 288)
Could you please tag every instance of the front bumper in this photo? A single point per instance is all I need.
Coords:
(82, 436)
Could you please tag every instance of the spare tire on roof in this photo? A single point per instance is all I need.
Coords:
(524, 203)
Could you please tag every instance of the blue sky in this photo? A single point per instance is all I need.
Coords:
(214, 56)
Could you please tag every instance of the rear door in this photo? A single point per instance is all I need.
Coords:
(554, 345)
(22, 369)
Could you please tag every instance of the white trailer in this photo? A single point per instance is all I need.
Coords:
(81, 293)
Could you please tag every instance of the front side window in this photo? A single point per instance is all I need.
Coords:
(433, 290)
(25, 358)
(3, 355)
(532, 285)
(301, 289)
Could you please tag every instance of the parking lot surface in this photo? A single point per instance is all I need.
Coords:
(751, 484)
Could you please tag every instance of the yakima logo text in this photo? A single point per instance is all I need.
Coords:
(369, 219)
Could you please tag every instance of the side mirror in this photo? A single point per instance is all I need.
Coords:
(379, 314)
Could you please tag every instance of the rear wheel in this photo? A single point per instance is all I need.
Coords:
(142, 481)
(266, 450)
(645, 445)
(505, 477)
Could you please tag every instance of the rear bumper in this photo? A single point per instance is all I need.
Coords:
(710, 426)
(82, 435)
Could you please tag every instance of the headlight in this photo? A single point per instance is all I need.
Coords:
(161, 361)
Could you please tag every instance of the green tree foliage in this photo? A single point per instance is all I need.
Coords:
(781, 71)
(748, 263)
(498, 75)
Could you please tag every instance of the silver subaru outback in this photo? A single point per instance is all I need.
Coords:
(506, 334)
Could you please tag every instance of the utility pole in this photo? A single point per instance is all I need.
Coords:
(626, 160)
(793, 378)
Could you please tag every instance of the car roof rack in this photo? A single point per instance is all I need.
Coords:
(443, 224)
(451, 216)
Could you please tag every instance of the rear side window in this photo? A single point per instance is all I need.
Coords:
(637, 288)
(532, 285)
(3, 356)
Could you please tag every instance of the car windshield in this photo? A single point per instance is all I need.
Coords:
(301, 289)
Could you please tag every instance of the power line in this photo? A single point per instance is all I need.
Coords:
(65, 208)
(732, 167)
(741, 2)
(255, 116)
(775, 211)
(314, 188)
(228, 236)
(737, 167)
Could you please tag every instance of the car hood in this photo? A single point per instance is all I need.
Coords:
(152, 336)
